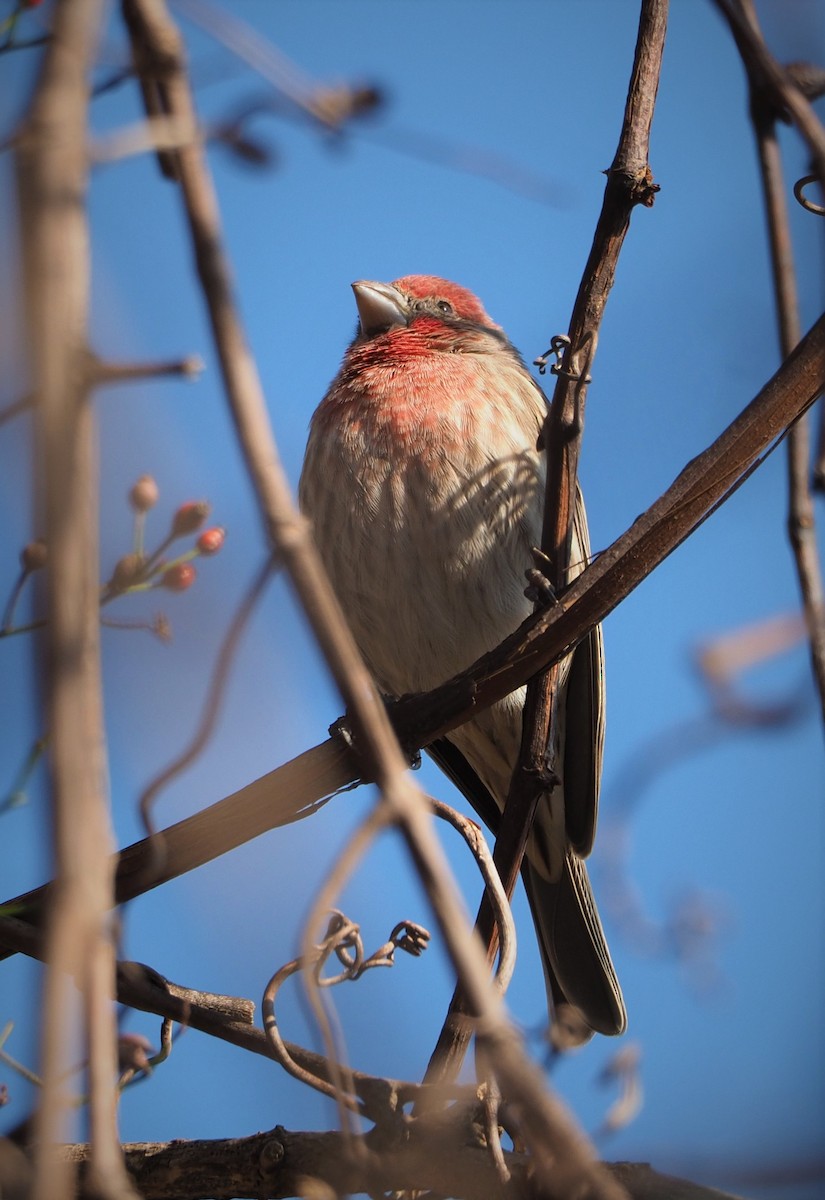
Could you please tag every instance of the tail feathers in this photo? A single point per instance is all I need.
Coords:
(576, 960)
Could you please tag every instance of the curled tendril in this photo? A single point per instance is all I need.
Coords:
(799, 192)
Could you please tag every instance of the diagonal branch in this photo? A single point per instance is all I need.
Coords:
(296, 788)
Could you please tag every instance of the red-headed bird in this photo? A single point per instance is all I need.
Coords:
(425, 488)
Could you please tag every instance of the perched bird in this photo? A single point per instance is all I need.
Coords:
(425, 488)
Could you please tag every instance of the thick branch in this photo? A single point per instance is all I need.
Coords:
(285, 793)
(52, 170)
(435, 1156)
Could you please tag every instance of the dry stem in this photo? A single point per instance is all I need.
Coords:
(52, 169)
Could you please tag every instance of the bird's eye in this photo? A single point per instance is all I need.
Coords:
(445, 306)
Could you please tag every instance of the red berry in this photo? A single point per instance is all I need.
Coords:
(179, 577)
(211, 540)
(189, 517)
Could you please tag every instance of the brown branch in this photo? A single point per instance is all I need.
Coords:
(291, 790)
(280, 1163)
(801, 519)
(51, 172)
(774, 81)
(104, 373)
(560, 1151)
(230, 1018)
(629, 182)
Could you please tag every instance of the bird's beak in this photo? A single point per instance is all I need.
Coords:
(380, 306)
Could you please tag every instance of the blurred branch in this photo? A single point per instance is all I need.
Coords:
(102, 373)
(801, 519)
(629, 182)
(51, 175)
(331, 107)
(281, 1163)
(230, 1018)
(211, 705)
(775, 82)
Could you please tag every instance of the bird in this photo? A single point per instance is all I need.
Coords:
(423, 481)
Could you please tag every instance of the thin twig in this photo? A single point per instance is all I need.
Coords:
(771, 77)
(16, 408)
(801, 519)
(212, 701)
(104, 373)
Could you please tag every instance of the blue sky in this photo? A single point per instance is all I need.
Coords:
(732, 1054)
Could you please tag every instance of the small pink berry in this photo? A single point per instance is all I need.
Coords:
(211, 540)
(179, 577)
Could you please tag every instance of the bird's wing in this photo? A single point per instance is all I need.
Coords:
(584, 709)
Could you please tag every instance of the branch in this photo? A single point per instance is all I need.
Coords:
(295, 789)
(282, 1163)
(801, 518)
(775, 81)
(51, 173)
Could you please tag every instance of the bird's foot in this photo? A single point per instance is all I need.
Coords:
(539, 589)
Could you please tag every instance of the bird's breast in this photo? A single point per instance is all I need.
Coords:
(425, 509)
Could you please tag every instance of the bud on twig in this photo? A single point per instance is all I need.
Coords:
(127, 571)
(34, 556)
(144, 494)
(189, 518)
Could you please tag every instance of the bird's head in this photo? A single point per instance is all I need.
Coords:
(424, 313)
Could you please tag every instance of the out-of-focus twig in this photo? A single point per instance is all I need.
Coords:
(770, 77)
(280, 1162)
(692, 922)
(331, 107)
(51, 172)
(493, 888)
(211, 705)
(801, 519)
